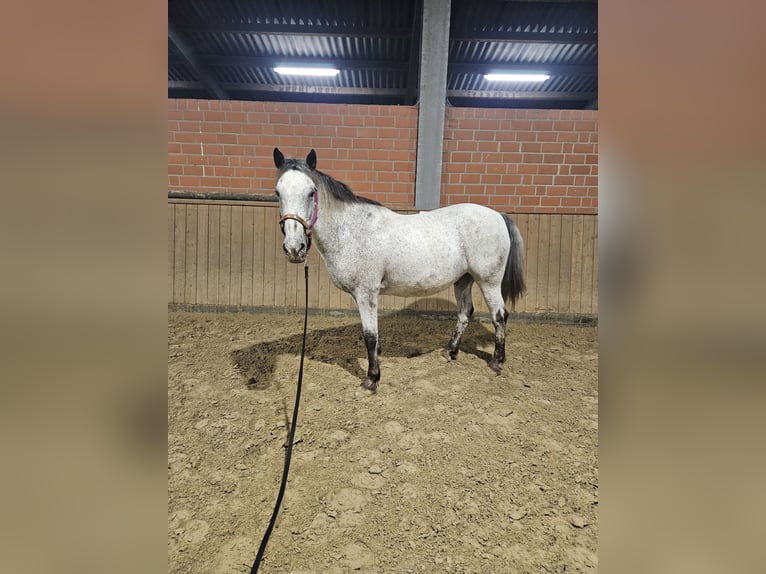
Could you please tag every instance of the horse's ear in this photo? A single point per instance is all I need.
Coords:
(311, 159)
(279, 159)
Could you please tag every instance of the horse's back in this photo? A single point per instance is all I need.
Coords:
(430, 250)
(479, 228)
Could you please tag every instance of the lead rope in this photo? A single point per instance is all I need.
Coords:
(291, 437)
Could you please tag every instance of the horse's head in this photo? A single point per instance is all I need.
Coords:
(298, 207)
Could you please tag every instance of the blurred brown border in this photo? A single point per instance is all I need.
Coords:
(681, 288)
(84, 297)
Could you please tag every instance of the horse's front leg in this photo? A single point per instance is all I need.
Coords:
(367, 301)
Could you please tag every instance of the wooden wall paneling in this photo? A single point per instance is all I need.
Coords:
(224, 277)
(434, 302)
(202, 253)
(231, 254)
(575, 288)
(269, 261)
(179, 230)
(248, 246)
(594, 290)
(554, 262)
(171, 249)
(235, 284)
(444, 300)
(543, 254)
(291, 284)
(190, 271)
(314, 262)
(418, 304)
(214, 254)
(259, 250)
(565, 264)
(588, 241)
(533, 226)
(439, 301)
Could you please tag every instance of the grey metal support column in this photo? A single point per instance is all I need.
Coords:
(434, 52)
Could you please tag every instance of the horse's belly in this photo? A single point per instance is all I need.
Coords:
(410, 291)
(423, 283)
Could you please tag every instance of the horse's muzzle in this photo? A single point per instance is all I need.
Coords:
(296, 255)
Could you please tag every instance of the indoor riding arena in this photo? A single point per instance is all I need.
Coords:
(447, 466)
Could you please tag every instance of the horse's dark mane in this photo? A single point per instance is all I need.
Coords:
(341, 191)
(337, 189)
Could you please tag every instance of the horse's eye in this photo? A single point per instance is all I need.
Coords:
(311, 193)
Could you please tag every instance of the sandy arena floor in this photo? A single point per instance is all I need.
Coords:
(447, 468)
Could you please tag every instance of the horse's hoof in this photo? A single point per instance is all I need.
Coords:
(370, 385)
(449, 354)
(495, 366)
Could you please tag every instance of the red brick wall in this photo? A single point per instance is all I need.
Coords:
(523, 161)
(227, 145)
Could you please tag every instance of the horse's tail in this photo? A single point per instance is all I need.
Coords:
(513, 285)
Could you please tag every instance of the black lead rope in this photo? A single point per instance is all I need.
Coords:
(291, 437)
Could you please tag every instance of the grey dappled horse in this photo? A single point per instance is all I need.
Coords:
(369, 249)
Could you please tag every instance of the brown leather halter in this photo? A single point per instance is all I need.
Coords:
(307, 227)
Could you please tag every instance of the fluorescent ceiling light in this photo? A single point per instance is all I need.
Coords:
(290, 71)
(516, 77)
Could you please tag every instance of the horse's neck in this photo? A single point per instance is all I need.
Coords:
(333, 216)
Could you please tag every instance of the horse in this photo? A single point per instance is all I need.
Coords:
(370, 250)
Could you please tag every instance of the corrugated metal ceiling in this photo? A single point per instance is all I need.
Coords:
(228, 48)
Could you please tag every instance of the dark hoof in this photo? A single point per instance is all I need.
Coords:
(449, 355)
(495, 366)
(370, 385)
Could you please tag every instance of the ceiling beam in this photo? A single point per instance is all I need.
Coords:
(184, 85)
(199, 68)
(528, 37)
(293, 89)
(454, 67)
(348, 91)
(560, 3)
(365, 32)
(294, 29)
(298, 89)
(270, 62)
(552, 69)
(520, 95)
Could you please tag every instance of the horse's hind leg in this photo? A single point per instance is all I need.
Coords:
(367, 302)
(464, 312)
(494, 299)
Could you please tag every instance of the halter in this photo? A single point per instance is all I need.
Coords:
(307, 227)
